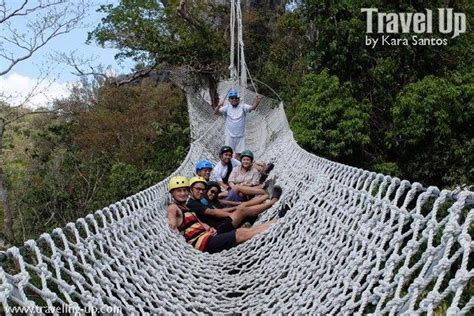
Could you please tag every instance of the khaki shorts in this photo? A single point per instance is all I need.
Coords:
(237, 143)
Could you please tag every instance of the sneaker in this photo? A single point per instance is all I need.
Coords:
(268, 187)
(277, 191)
(265, 173)
(269, 168)
(282, 212)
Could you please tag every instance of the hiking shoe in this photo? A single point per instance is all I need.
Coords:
(277, 191)
(268, 187)
(282, 212)
(269, 168)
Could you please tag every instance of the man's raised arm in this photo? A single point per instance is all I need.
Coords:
(256, 103)
(218, 107)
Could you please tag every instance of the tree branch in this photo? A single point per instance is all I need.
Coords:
(19, 116)
(137, 75)
(48, 20)
(183, 11)
(17, 12)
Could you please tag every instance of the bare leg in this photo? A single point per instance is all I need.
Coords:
(246, 190)
(244, 234)
(229, 203)
(260, 166)
(243, 211)
(256, 200)
(223, 194)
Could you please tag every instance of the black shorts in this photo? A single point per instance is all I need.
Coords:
(220, 242)
(225, 226)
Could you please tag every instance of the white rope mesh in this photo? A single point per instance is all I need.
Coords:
(352, 241)
(241, 46)
(237, 74)
(233, 71)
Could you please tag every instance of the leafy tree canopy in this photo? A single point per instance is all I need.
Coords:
(433, 133)
(163, 32)
(405, 96)
(328, 120)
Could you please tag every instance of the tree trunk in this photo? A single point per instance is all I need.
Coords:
(213, 91)
(8, 216)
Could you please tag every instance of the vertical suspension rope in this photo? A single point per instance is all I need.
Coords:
(232, 69)
(237, 6)
(243, 68)
(238, 70)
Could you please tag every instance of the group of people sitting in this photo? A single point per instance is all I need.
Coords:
(215, 209)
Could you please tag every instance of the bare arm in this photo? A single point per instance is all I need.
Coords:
(174, 216)
(218, 107)
(256, 102)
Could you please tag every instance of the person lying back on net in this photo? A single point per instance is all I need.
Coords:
(222, 170)
(201, 236)
(224, 219)
(204, 169)
(244, 181)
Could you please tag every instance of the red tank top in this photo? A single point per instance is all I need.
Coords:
(193, 230)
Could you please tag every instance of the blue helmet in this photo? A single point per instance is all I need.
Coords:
(233, 93)
(204, 164)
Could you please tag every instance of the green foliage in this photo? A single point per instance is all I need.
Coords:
(153, 32)
(284, 65)
(328, 120)
(390, 168)
(121, 141)
(126, 180)
(329, 37)
(402, 110)
(432, 130)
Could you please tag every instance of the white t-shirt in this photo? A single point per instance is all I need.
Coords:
(219, 171)
(235, 118)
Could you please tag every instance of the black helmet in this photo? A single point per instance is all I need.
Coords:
(225, 149)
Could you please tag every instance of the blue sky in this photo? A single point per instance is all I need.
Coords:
(75, 40)
(24, 74)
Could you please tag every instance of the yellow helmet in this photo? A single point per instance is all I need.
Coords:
(178, 182)
(197, 179)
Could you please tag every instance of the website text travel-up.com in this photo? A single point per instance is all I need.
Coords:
(72, 310)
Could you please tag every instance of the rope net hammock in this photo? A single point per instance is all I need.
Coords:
(352, 241)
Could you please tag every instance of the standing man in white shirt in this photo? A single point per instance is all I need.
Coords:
(235, 118)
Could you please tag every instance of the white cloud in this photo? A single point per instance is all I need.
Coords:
(15, 89)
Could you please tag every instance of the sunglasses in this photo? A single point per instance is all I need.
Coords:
(213, 191)
(200, 188)
(233, 98)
